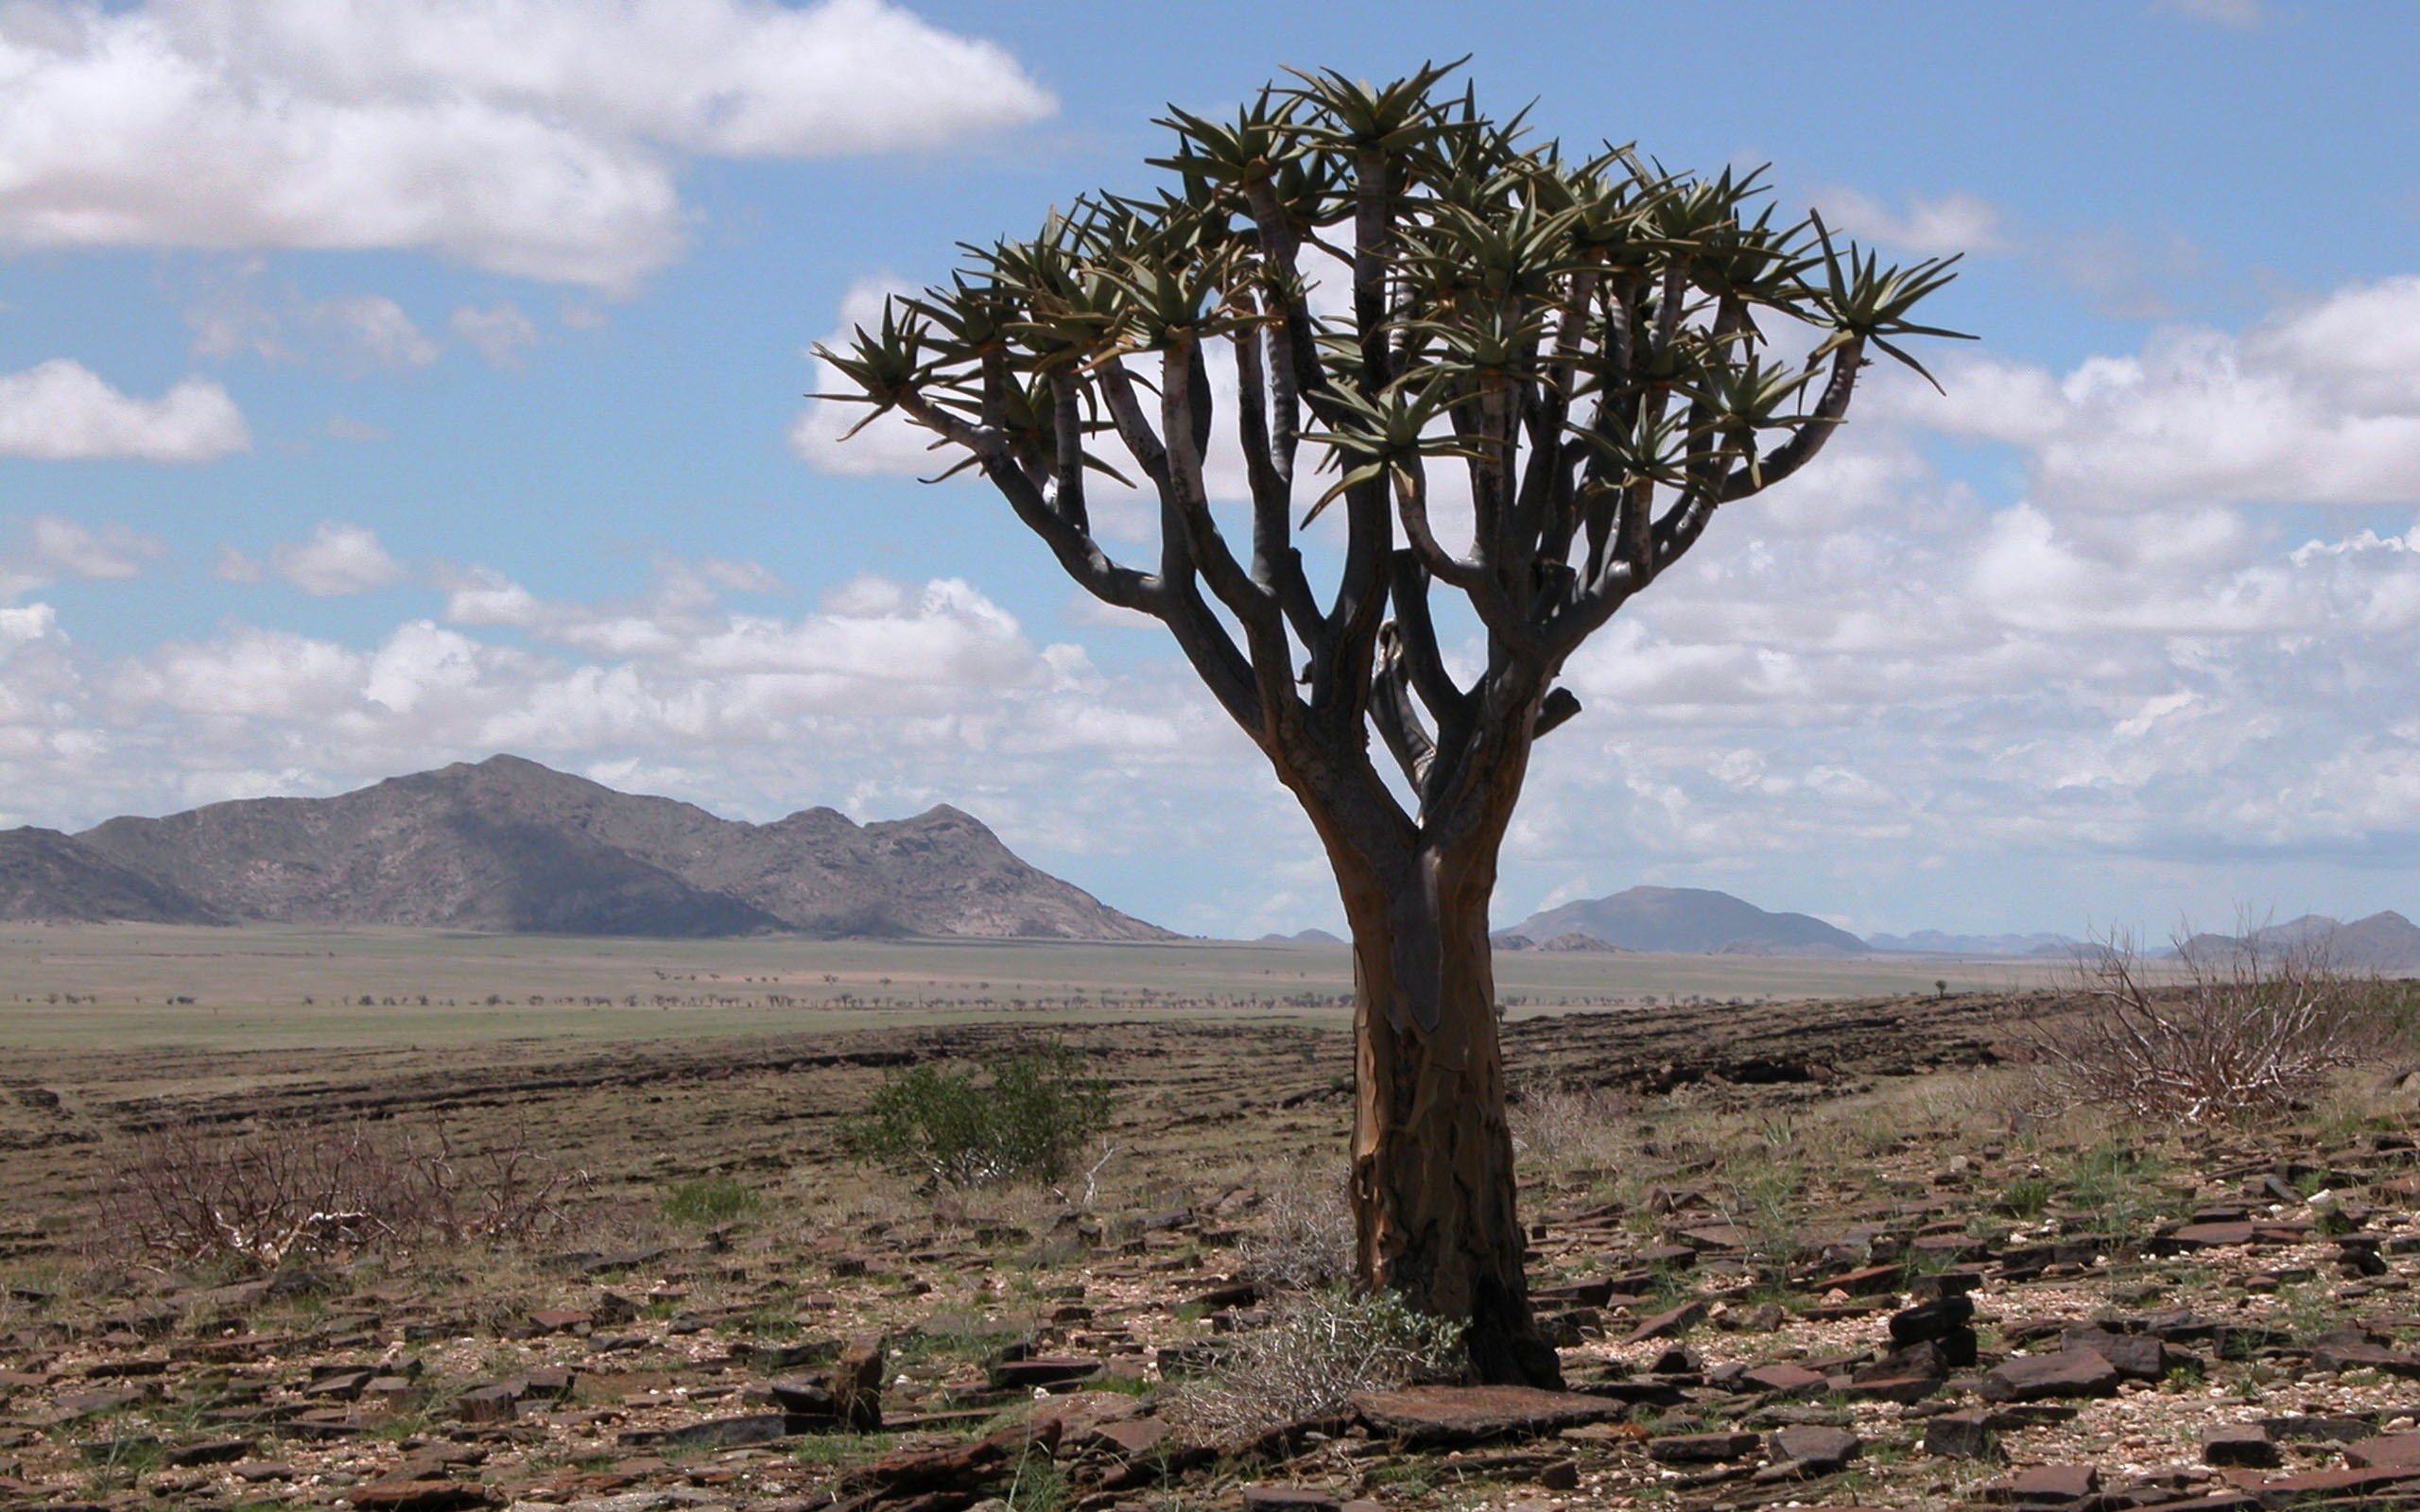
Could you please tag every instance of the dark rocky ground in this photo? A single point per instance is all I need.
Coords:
(1796, 1256)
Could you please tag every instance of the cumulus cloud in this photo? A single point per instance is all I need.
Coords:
(78, 550)
(337, 559)
(551, 134)
(231, 564)
(62, 410)
(2237, 15)
(2318, 404)
(1942, 227)
(373, 329)
(887, 696)
(498, 333)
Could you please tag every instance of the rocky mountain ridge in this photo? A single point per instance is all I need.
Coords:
(510, 846)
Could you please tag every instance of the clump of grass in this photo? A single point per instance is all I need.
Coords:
(710, 1200)
(2027, 1196)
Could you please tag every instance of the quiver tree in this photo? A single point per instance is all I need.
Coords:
(1405, 291)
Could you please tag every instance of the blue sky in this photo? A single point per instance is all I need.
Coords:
(391, 384)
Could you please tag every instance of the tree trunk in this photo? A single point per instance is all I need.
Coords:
(1432, 1156)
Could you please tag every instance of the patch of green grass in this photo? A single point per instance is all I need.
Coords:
(1038, 1485)
(710, 1200)
(841, 1449)
(2027, 1196)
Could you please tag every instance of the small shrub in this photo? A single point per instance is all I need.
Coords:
(2242, 1031)
(710, 1200)
(1303, 1238)
(284, 1189)
(1318, 1350)
(1023, 1117)
(1559, 1126)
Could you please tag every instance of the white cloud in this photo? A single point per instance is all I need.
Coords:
(499, 331)
(346, 428)
(232, 565)
(57, 545)
(337, 559)
(1940, 227)
(2318, 404)
(2239, 15)
(374, 329)
(521, 136)
(61, 410)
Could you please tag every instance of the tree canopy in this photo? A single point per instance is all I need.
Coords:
(1602, 345)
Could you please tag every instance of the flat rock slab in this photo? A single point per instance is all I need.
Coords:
(2337, 1357)
(1795, 1380)
(1815, 1449)
(2244, 1445)
(2067, 1373)
(1962, 1435)
(1043, 1370)
(2389, 1451)
(714, 1432)
(1288, 1499)
(1470, 1415)
(420, 1496)
(2044, 1485)
(1701, 1449)
(1663, 1325)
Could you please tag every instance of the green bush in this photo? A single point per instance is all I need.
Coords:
(710, 1200)
(1023, 1117)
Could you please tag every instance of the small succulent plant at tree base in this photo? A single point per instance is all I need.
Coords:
(1603, 354)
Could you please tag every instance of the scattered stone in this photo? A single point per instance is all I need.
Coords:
(1814, 1449)
(1288, 1499)
(486, 1404)
(1701, 1449)
(2390, 1451)
(2241, 1446)
(2065, 1373)
(419, 1496)
(854, 1383)
(713, 1433)
(1042, 1370)
(1935, 1319)
(1664, 1325)
(2045, 1485)
(1962, 1435)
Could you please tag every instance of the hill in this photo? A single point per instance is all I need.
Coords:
(2385, 941)
(511, 846)
(49, 877)
(1933, 942)
(1689, 920)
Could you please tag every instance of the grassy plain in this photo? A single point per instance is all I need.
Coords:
(108, 986)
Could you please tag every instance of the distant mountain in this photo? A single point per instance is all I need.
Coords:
(510, 846)
(47, 876)
(1689, 920)
(1302, 936)
(1933, 942)
(2385, 941)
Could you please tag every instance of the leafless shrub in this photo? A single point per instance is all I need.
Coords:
(1565, 1125)
(283, 1190)
(1303, 1237)
(2238, 1028)
(1320, 1349)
